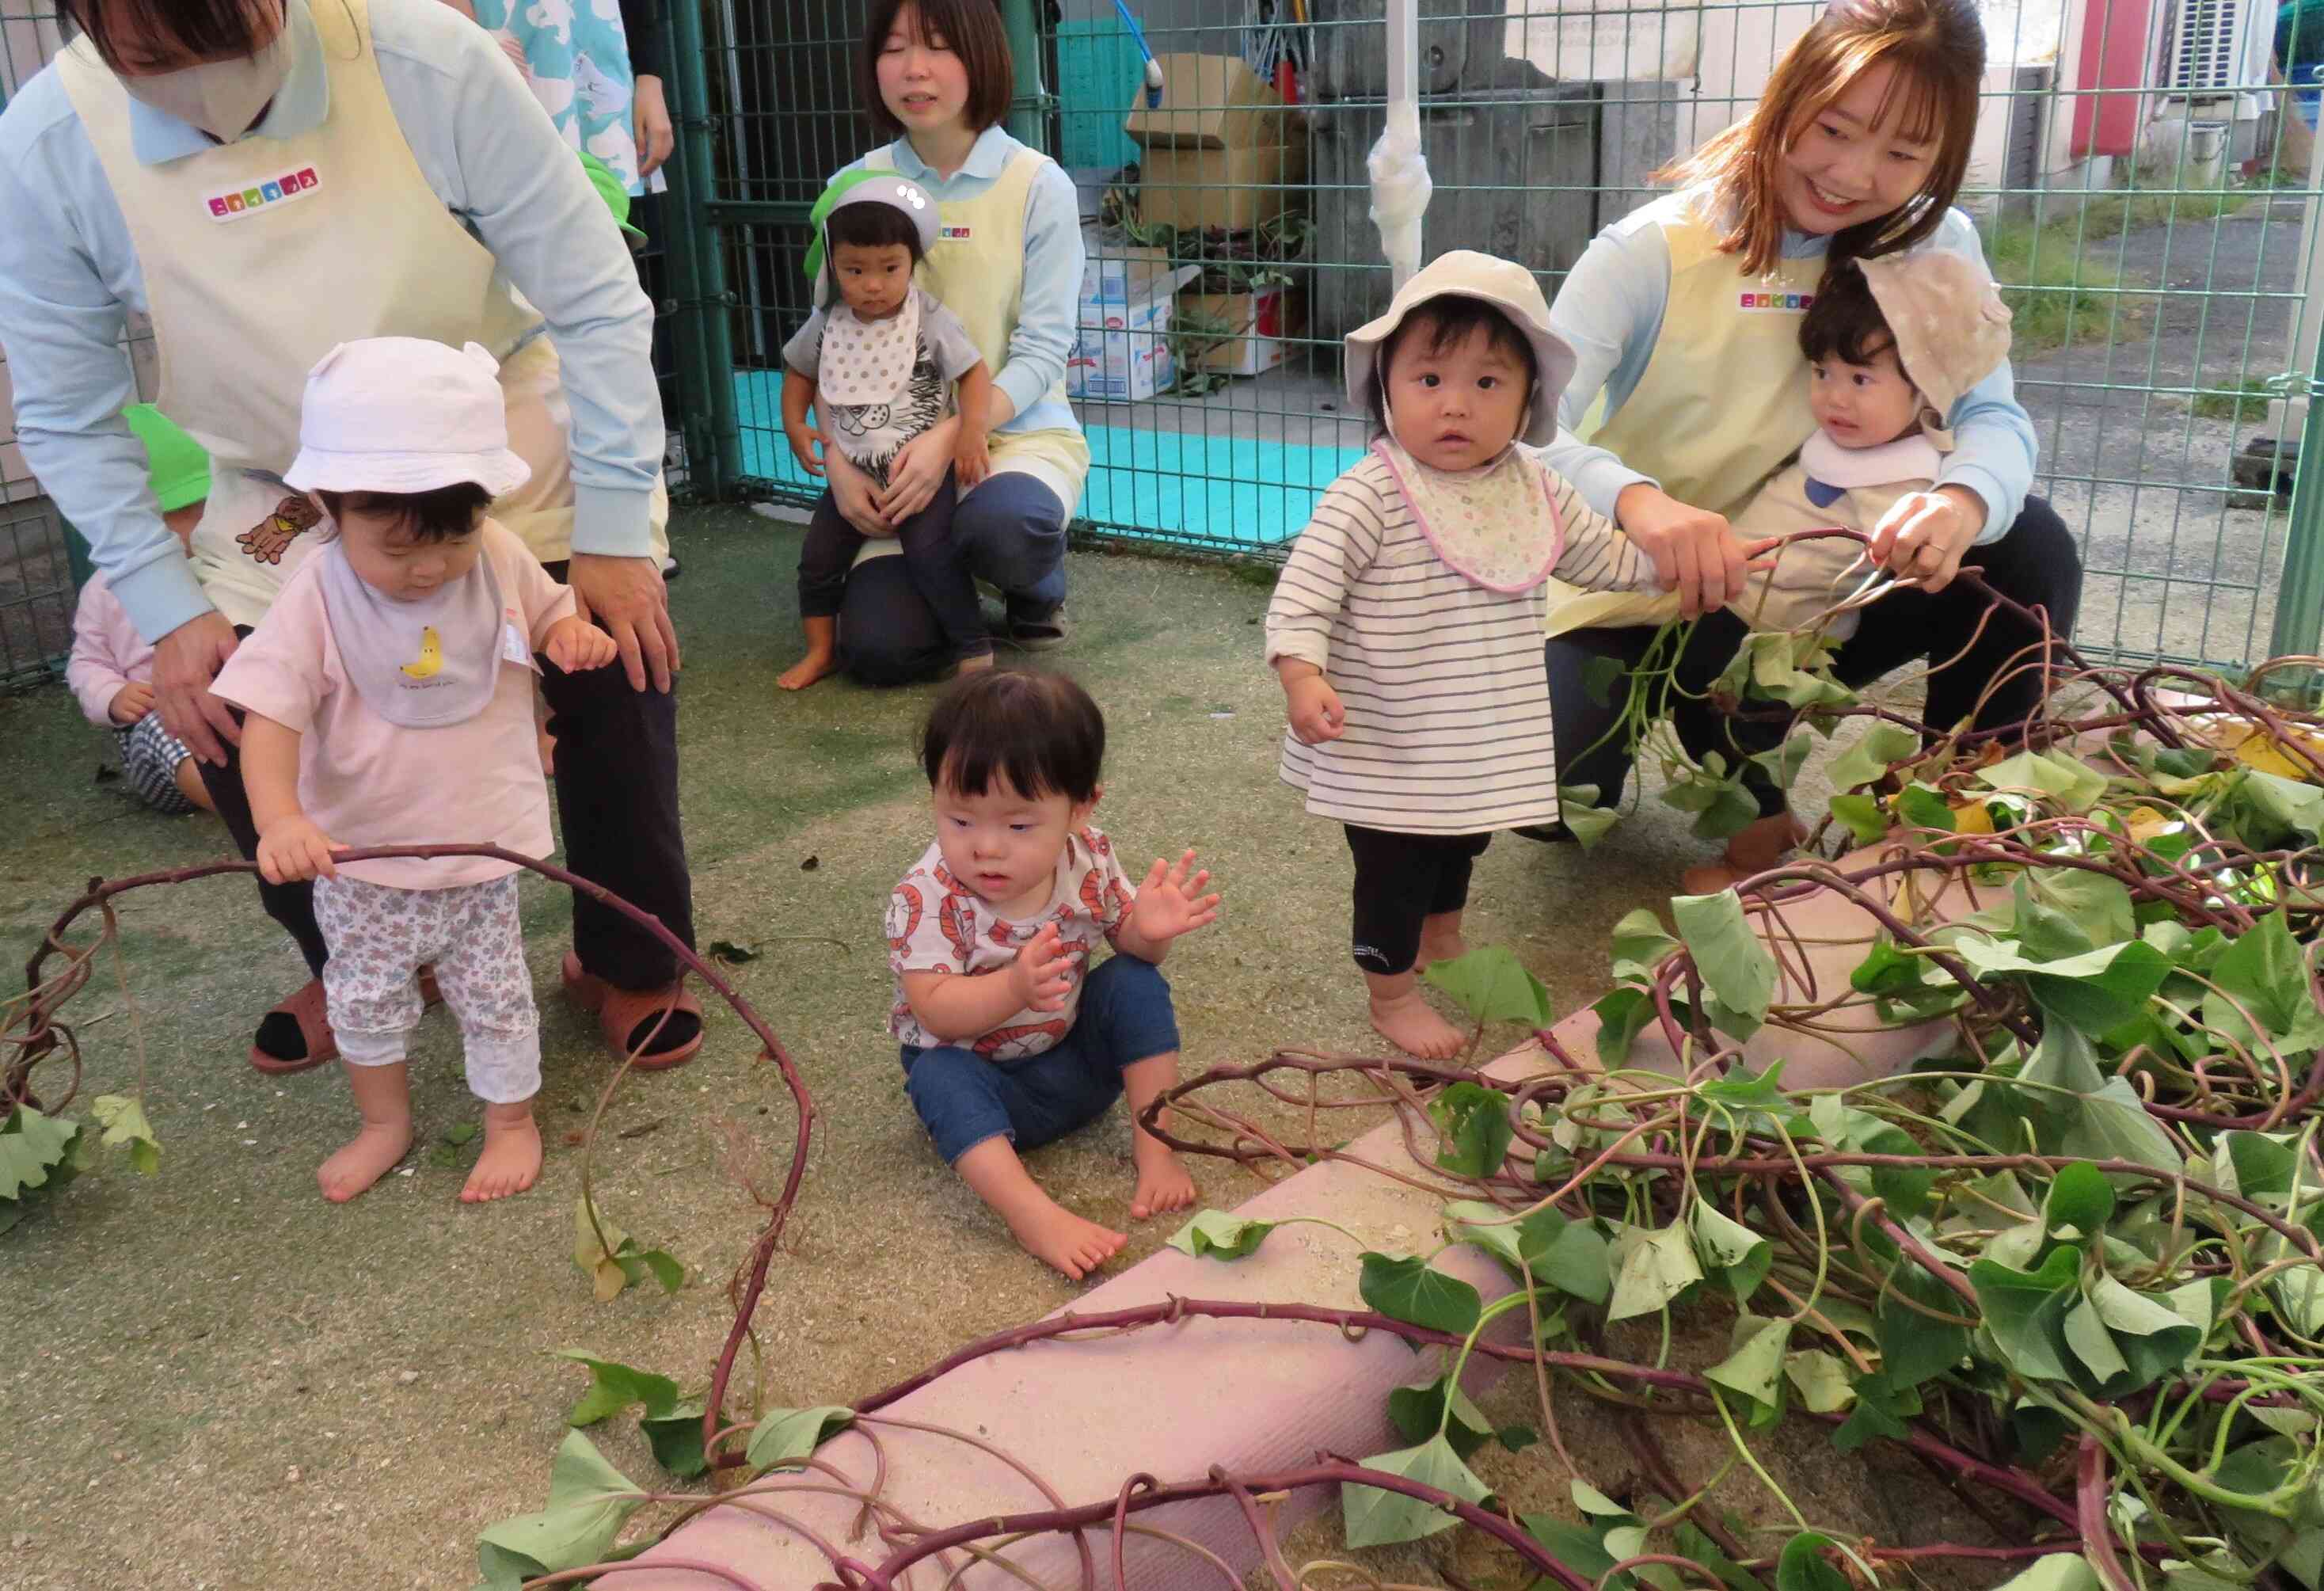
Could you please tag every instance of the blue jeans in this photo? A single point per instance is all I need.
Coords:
(964, 1099)
(1009, 531)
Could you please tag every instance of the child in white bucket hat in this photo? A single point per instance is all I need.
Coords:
(1406, 626)
(878, 362)
(1892, 344)
(389, 694)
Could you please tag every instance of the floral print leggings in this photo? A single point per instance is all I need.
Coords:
(380, 937)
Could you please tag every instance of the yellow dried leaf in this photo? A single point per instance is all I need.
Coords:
(605, 1276)
(2263, 751)
(2143, 823)
(1972, 818)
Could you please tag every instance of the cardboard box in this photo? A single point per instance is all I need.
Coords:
(1122, 350)
(1259, 323)
(1209, 102)
(1113, 268)
(1235, 188)
(1218, 150)
(1122, 342)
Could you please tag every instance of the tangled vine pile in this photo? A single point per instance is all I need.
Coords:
(2075, 1262)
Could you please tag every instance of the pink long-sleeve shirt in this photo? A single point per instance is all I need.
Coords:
(108, 652)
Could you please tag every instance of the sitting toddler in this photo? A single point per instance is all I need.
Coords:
(1009, 1040)
(877, 361)
(111, 670)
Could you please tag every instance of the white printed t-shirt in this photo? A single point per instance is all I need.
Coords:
(936, 923)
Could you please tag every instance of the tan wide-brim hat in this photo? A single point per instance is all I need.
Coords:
(1506, 285)
(1951, 328)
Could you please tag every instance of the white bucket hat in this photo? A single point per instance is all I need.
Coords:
(404, 414)
(1506, 285)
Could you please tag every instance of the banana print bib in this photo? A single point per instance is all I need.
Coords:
(422, 664)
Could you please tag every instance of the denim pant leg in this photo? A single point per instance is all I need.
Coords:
(932, 558)
(888, 632)
(1011, 531)
(964, 1099)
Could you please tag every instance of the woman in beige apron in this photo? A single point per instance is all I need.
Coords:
(1693, 393)
(268, 179)
(1008, 263)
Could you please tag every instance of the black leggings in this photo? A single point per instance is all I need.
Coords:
(1401, 880)
(2035, 564)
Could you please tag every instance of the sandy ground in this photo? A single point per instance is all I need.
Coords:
(217, 1378)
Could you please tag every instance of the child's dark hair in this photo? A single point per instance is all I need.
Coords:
(440, 515)
(873, 225)
(970, 29)
(1451, 319)
(1845, 322)
(1041, 733)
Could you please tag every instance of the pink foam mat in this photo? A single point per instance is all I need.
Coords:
(1173, 1401)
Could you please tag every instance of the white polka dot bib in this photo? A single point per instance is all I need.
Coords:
(1495, 525)
(868, 361)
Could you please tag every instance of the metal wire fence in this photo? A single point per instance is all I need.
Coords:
(2141, 178)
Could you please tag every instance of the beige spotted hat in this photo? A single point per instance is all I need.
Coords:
(1945, 312)
(1506, 285)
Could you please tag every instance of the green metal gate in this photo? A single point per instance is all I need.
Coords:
(2136, 190)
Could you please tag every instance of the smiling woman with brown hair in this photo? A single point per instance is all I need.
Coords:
(1691, 391)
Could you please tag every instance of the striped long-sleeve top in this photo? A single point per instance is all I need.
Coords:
(1447, 727)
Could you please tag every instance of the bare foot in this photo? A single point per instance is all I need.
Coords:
(974, 663)
(1406, 1021)
(805, 672)
(1063, 1239)
(1163, 1184)
(364, 1159)
(510, 1162)
(547, 754)
(1436, 947)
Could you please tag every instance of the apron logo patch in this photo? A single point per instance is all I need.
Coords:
(237, 203)
(950, 234)
(1781, 302)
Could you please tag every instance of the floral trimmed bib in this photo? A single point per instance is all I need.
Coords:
(1495, 525)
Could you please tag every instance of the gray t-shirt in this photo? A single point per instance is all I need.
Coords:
(872, 434)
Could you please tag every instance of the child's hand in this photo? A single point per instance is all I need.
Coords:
(577, 646)
(131, 703)
(1170, 903)
(1314, 708)
(1042, 976)
(972, 460)
(807, 448)
(293, 850)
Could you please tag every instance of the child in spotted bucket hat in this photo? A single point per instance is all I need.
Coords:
(878, 363)
(1892, 345)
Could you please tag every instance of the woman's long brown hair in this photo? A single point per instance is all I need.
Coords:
(1938, 50)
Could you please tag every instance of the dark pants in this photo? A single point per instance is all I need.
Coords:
(932, 566)
(1402, 879)
(2035, 564)
(1009, 530)
(964, 1098)
(617, 796)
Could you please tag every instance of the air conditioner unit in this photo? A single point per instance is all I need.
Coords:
(2220, 50)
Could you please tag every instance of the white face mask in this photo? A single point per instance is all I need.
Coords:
(222, 97)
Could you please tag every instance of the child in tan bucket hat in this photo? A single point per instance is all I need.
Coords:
(1406, 629)
(1892, 344)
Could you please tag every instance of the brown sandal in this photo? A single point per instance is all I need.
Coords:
(619, 1012)
(306, 1008)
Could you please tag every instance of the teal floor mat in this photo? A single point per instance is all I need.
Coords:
(1233, 490)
